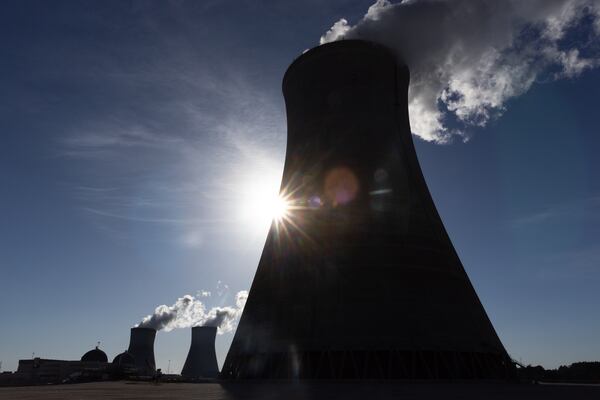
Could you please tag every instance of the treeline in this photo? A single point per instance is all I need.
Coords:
(587, 371)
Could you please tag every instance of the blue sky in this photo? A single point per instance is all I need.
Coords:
(132, 134)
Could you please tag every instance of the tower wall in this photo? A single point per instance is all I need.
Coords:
(141, 347)
(201, 361)
(361, 279)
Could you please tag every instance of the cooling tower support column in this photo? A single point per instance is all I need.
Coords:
(201, 361)
(141, 347)
(360, 280)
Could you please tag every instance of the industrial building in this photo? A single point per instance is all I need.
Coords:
(360, 280)
(93, 365)
(141, 349)
(137, 362)
(201, 361)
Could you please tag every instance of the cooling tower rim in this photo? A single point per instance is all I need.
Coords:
(141, 328)
(202, 327)
(338, 44)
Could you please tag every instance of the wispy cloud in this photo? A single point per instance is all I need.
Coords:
(169, 221)
(185, 173)
(118, 137)
(569, 264)
(587, 208)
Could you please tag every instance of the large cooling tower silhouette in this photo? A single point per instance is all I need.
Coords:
(360, 280)
(141, 347)
(201, 361)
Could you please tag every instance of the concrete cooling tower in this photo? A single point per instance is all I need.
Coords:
(201, 361)
(360, 280)
(141, 347)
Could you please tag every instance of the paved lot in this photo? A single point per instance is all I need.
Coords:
(292, 391)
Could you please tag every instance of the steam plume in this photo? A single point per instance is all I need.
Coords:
(189, 311)
(225, 317)
(467, 58)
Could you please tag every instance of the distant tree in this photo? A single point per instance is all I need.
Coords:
(586, 371)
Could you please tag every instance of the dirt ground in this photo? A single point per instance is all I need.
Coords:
(301, 391)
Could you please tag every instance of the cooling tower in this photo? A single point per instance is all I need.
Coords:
(360, 280)
(201, 361)
(141, 347)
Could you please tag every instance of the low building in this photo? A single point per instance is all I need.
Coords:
(45, 371)
(93, 366)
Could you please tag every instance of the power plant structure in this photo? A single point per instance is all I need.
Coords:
(141, 348)
(124, 363)
(137, 362)
(201, 361)
(360, 279)
(93, 365)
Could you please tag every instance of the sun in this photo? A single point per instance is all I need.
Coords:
(280, 208)
(261, 204)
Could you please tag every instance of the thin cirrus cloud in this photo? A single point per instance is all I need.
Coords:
(181, 168)
(587, 209)
(471, 57)
(178, 158)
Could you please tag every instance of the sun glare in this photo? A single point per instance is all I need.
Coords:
(261, 204)
(280, 208)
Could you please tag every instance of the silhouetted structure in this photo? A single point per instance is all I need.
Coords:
(201, 361)
(124, 358)
(123, 365)
(43, 371)
(362, 280)
(579, 372)
(141, 347)
(95, 355)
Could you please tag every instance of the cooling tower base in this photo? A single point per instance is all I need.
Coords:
(371, 365)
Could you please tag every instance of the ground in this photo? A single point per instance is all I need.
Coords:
(309, 390)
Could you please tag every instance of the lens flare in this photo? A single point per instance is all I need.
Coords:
(280, 208)
(341, 186)
(261, 204)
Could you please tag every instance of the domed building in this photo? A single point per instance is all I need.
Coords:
(95, 355)
(124, 365)
(93, 366)
(124, 359)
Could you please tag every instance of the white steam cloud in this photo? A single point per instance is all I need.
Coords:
(468, 57)
(188, 312)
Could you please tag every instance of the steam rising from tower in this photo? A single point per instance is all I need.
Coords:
(468, 58)
(189, 311)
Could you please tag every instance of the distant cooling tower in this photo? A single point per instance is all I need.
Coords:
(201, 361)
(141, 347)
(361, 279)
